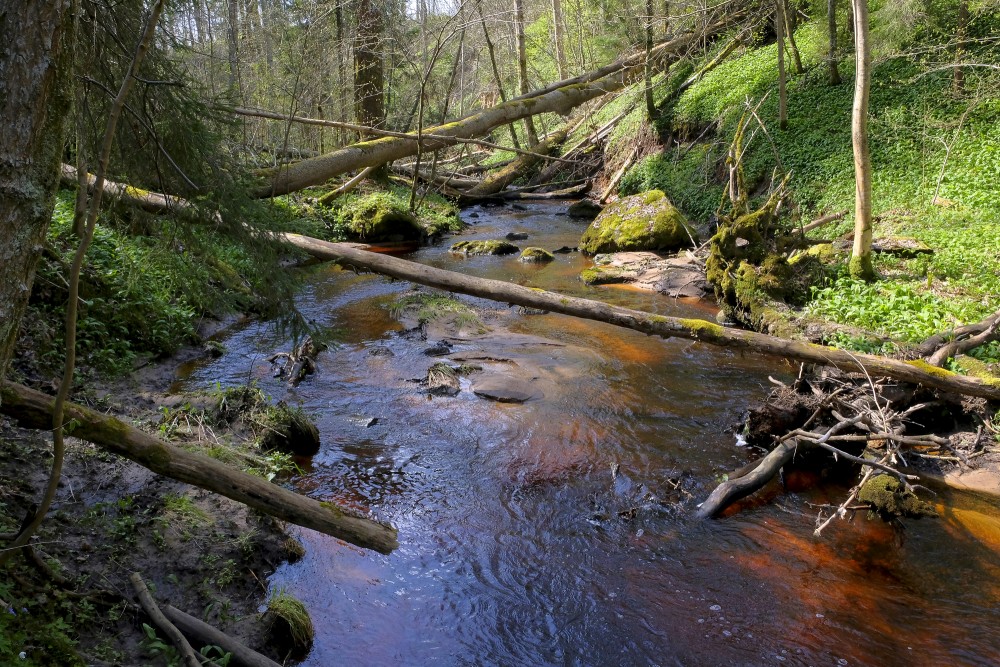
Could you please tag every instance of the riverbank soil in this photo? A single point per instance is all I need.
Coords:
(68, 600)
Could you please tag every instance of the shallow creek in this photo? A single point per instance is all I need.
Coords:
(512, 547)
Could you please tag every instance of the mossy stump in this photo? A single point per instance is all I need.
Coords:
(646, 221)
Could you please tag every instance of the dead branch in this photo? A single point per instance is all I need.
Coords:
(33, 409)
(206, 635)
(188, 655)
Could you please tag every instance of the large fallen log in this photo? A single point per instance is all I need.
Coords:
(33, 409)
(916, 372)
(496, 182)
(557, 98)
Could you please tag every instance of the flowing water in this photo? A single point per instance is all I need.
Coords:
(518, 546)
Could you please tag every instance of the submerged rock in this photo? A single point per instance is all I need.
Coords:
(505, 389)
(646, 221)
(485, 248)
(536, 255)
(516, 236)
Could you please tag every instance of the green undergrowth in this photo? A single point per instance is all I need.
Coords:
(148, 282)
(916, 121)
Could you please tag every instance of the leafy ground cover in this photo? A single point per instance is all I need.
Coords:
(936, 162)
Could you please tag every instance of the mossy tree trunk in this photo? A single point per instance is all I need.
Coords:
(861, 253)
(35, 97)
(519, 167)
(917, 372)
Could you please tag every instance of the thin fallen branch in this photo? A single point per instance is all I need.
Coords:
(823, 220)
(929, 346)
(33, 409)
(188, 655)
(206, 635)
(328, 198)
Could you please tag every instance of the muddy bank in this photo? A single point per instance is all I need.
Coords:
(71, 602)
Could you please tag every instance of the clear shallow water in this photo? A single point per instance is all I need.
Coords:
(512, 551)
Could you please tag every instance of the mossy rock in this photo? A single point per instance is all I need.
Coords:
(889, 499)
(380, 217)
(646, 221)
(492, 247)
(536, 255)
(606, 275)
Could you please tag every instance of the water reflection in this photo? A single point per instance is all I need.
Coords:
(519, 546)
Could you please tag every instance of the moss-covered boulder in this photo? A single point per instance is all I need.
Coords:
(379, 216)
(492, 247)
(536, 255)
(646, 221)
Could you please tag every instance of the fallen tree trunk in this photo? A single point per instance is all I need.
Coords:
(188, 656)
(204, 634)
(558, 98)
(916, 372)
(33, 409)
(496, 182)
(153, 202)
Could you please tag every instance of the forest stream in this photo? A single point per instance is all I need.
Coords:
(559, 530)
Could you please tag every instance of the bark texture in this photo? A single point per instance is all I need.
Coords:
(33, 409)
(35, 98)
(861, 253)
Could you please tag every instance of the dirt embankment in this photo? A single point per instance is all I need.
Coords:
(70, 600)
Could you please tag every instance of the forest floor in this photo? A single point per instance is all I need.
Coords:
(69, 600)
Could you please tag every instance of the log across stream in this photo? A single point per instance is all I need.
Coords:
(517, 543)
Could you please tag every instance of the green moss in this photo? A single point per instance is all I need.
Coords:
(922, 365)
(606, 275)
(889, 499)
(860, 267)
(647, 221)
(534, 254)
(704, 330)
(491, 247)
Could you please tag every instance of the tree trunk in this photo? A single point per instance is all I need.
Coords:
(648, 69)
(790, 34)
(203, 634)
(916, 372)
(33, 409)
(779, 29)
(960, 32)
(522, 68)
(36, 66)
(861, 253)
(558, 37)
(369, 76)
(831, 22)
(496, 70)
(232, 37)
(523, 165)
(557, 98)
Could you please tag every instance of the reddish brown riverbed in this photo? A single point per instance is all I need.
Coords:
(512, 548)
